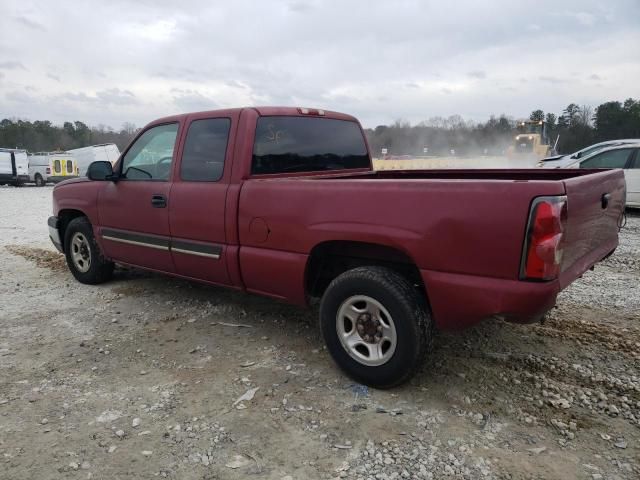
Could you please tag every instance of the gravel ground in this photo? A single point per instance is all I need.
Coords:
(152, 377)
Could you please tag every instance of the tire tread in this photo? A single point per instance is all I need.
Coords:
(100, 270)
(406, 294)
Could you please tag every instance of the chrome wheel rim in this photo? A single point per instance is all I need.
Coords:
(80, 252)
(366, 330)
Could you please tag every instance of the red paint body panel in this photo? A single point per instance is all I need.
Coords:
(476, 234)
(274, 273)
(590, 230)
(197, 210)
(464, 230)
(126, 206)
(460, 301)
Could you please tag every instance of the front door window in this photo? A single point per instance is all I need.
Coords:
(151, 156)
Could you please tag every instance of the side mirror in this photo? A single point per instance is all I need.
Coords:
(100, 170)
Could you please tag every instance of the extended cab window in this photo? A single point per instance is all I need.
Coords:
(305, 144)
(611, 159)
(149, 158)
(204, 150)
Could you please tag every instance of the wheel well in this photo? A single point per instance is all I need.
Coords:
(64, 217)
(330, 259)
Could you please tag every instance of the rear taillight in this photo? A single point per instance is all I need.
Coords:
(48, 171)
(542, 254)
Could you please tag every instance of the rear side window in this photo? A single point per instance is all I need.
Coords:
(611, 159)
(69, 166)
(56, 166)
(306, 144)
(205, 149)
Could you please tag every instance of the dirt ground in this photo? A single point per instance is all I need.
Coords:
(141, 377)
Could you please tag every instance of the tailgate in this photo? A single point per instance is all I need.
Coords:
(595, 206)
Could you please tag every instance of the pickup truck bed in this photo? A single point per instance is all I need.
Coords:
(454, 226)
(283, 202)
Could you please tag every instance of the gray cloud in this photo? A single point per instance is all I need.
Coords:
(115, 96)
(20, 97)
(28, 22)
(79, 97)
(477, 74)
(554, 80)
(53, 77)
(192, 100)
(300, 7)
(12, 65)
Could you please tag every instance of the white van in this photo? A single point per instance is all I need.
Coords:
(53, 167)
(85, 156)
(14, 166)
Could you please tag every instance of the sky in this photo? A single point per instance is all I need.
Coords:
(111, 62)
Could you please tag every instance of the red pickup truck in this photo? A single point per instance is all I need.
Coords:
(283, 202)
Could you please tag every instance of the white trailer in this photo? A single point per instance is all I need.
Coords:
(14, 166)
(85, 156)
(52, 167)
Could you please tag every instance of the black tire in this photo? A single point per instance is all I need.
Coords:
(99, 269)
(39, 180)
(410, 314)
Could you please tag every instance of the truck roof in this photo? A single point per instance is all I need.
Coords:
(262, 111)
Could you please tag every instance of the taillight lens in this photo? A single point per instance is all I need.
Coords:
(48, 171)
(542, 253)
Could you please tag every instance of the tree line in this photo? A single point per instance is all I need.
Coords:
(43, 136)
(576, 127)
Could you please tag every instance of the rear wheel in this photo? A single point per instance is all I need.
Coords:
(376, 326)
(84, 258)
(39, 180)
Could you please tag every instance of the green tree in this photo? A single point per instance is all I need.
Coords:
(570, 114)
(609, 121)
(536, 116)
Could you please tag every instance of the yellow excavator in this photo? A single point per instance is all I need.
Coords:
(531, 143)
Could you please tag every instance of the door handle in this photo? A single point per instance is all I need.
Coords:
(605, 200)
(158, 201)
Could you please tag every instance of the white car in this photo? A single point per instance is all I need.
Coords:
(626, 156)
(559, 161)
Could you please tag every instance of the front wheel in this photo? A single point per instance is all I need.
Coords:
(376, 326)
(84, 258)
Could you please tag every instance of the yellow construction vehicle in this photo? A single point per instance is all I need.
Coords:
(532, 142)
